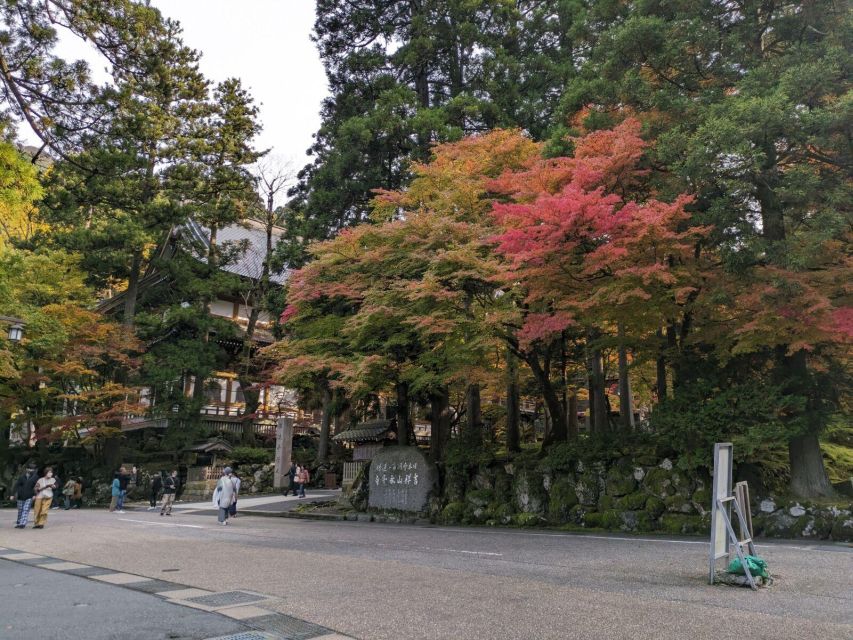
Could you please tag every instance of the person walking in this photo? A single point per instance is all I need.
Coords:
(123, 480)
(223, 495)
(57, 483)
(291, 475)
(23, 491)
(68, 492)
(115, 492)
(156, 485)
(170, 486)
(237, 482)
(44, 496)
(304, 478)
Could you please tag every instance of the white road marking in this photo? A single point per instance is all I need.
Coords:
(162, 524)
(476, 553)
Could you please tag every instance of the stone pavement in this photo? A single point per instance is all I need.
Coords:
(51, 598)
(260, 505)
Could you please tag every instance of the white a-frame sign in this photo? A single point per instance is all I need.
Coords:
(722, 532)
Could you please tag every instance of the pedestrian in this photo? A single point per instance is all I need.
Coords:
(44, 496)
(304, 478)
(58, 482)
(223, 495)
(23, 491)
(237, 483)
(291, 475)
(68, 492)
(115, 492)
(77, 498)
(156, 485)
(123, 480)
(170, 486)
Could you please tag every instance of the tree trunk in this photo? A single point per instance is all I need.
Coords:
(626, 406)
(473, 411)
(440, 423)
(132, 288)
(597, 396)
(513, 409)
(403, 417)
(808, 474)
(252, 400)
(660, 383)
(325, 424)
(573, 415)
(558, 431)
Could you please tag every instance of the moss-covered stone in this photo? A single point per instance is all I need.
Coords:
(592, 520)
(842, 530)
(658, 482)
(561, 500)
(606, 502)
(677, 523)
(632, 502)
(636, 521)
(620, 481)
(679, 504)
(526, 519)
(577, 514)
(479, 497)
(655, 506)
(589, 487)
(453, 513)
(702, 497)
(530, 496)
(501, 512)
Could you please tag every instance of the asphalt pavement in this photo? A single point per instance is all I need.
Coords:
(392, 582)
(39, 603)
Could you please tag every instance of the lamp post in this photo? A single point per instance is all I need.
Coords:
(16, 328)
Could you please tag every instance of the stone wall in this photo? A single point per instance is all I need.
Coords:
(625, 496)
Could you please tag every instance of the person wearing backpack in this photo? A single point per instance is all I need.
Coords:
(44, 496)
(23, 492)
(170, 487)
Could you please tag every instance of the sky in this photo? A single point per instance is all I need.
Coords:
(265, 43)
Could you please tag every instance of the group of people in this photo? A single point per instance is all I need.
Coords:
(167, 483)
(36, 492)
(299, 476)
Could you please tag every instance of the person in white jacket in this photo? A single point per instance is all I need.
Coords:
(224, 495)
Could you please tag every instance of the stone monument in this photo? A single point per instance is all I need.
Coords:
(401, 478)
(283, 450)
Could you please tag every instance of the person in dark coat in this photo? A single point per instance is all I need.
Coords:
(291, 474)
(156, 485)
(23, 492)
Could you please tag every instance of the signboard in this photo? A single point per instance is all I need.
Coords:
(401, 478)
(722, 488)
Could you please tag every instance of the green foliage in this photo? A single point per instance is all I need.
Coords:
(251, 455)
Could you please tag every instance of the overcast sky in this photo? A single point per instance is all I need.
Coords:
(265, 43)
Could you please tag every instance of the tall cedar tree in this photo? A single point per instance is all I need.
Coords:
(750, 106)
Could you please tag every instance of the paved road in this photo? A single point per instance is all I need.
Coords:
(37, 603)
(390, 582)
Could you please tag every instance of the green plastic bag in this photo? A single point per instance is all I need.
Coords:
(757, 566)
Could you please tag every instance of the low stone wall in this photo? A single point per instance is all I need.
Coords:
(624, 496)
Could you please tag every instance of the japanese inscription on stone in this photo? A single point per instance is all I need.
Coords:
(401, 478)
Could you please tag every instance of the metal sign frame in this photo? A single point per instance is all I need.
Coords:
(723, 537)
(721, 488)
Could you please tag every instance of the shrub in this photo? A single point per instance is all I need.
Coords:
(251, 455)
